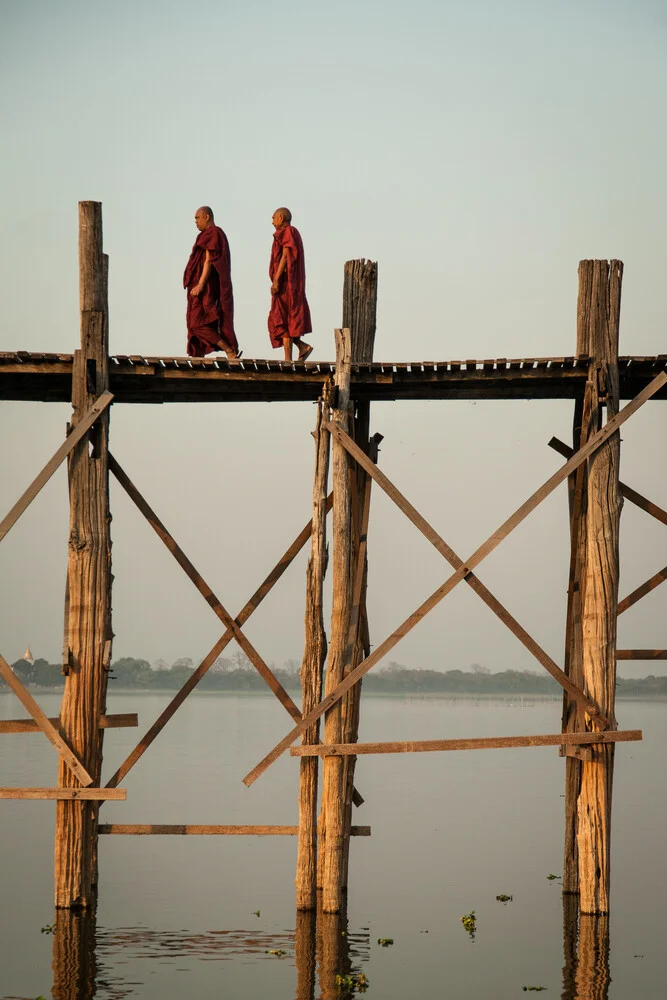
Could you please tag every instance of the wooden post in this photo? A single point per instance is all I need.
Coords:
(572, 716)
(599, 593)
(89, 579)
(359, 316)
(333, 770)
(312, 666)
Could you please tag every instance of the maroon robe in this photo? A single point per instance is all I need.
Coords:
(290, 315)
(210, 315)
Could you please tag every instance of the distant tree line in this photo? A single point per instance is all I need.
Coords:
(237, 674)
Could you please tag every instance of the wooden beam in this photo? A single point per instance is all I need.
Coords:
(484, 550)
(66, 753)
(64, 794)
(122, 721)
(641, 654)
(642, 591)
(471, 579)
(180, 830)
(576, 753)
(484, 743)
(632, 495)
(79, 432)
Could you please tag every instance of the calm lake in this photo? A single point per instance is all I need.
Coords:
(197, 917)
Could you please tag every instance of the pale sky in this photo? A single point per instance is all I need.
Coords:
(476, 150)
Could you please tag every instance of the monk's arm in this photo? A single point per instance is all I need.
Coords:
(281, 267)
(204, 276)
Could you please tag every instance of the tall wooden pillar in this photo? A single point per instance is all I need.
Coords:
(88, 642)
(349, 631)
(312, 665)
(359, 316)
(600, 303)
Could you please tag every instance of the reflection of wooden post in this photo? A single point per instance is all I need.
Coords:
(570, 935)
(593, 979)
(359, 316)
(304, 954)
(74, 965)
(333, 774)
(333, 954)
(89, 578)
(315, 651)
(599, 597)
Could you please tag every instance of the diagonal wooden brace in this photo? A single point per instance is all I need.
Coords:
(484, 550)
(471, 579)
(60, 455)
(49, 730)
(233, 625)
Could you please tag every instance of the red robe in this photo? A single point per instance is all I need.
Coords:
(210, 315)
(290, 315)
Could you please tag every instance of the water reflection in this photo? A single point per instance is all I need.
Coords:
(74, 961)
(586, 973)
(323, 951)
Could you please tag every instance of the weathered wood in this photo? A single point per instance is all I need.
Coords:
(122, 721)
(360, 318)
(628, 493)
(305, 951)
(67, 755)
(97, 408)
(333, 776)
(577, 753)
(483, 743)
(471, 579)
(192, 829)
(484, 550)
(599, 598)
(89, 794)
(641, 654)
(312, 666)
(89, 576)
(642, 591)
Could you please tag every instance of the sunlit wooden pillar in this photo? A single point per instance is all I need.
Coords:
(599, 591)
(88, 639)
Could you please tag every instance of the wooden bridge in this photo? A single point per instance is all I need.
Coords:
(595, 378)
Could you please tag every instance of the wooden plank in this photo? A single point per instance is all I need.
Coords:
(64, 794)
(483, 743)
(190, 829)
(471, 579)
(53, 464)
(632, 495)
(576, 753)
(53, 736)
(642, 591)
(119, 721)
(251, 605)
(484, 550)
(641, 654)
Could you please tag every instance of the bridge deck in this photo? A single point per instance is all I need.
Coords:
(140, 379)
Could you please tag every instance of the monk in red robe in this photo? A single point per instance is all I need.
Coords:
(289, 318)
(208, 280)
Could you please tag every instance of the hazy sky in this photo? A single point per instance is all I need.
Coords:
(476, 150)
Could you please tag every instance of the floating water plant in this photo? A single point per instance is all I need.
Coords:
(256, 912)
(385, 942)
(533, 989)
(469, 921)
(502, 898)
(353, 982)
(279, 952)
(552, 877)
(48, 929)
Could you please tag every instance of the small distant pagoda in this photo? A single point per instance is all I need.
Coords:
(28, 655)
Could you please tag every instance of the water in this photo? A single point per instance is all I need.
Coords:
(451, 831)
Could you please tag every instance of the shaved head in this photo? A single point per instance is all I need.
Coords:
(204, 218)
(285, 214)
(207, 210)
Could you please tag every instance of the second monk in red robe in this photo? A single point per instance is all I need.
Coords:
(289, 318)
(208, 280)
